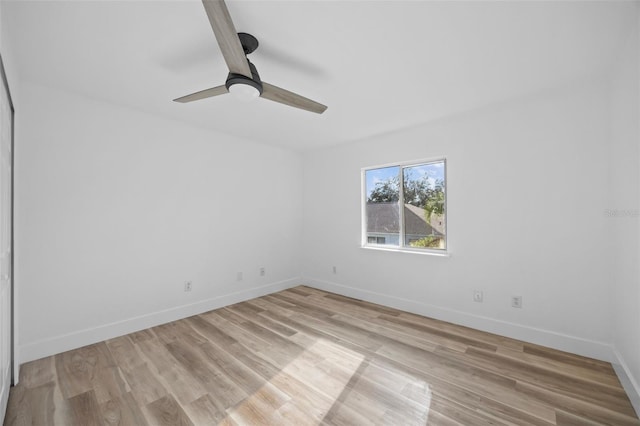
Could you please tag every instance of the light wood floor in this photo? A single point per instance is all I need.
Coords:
(303, 357)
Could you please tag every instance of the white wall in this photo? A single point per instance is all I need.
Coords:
(625, 192)
(8, 56)
(116, 209)
(527, 187)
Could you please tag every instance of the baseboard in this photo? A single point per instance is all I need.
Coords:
(15, 378)
(563, 342)
(629, 383)
(77, 339)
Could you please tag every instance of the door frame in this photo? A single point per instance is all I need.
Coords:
(5, 82)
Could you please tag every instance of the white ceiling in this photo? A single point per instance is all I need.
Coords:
(378, 65)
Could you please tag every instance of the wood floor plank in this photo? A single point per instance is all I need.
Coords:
(362, 304)
(460, 413)
(142, 335)
(595, 393)
(264, 321)
(232, 330)
(260, 408)
(293, 415)
(38, 372)
(108, 384)
(362, 384)
(247, 309)
(303, 356)
(212, 378)
(313, 404)
(307, 398)
(383, 332)
(567, 419)
(462, 331)
(363, 340)
(124, 352)
(243, 376)
(344, 416)
(178, 331)
(561, 368)
(167, 412)
(177, 379)
(468, 341)
(33, 406)
(211, 331)
(122, 411)
(578, 407)
(372, 319)
(256, 329)
(205, 410)
(84, 409)
(75, 369)
(437, 419)
(263, 302)
(479, 393)
(573, 359)
(144, 384)
(300, 291)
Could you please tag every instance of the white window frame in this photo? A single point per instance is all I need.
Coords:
(401, 247)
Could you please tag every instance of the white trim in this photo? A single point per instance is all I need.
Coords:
(629, 383)
(16, 361)
(76, 339)
(548, 338)
(407, 250)
(406, 163)
(363, 208)
(402, 238)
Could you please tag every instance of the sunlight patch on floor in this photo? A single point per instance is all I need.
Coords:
(329, 382)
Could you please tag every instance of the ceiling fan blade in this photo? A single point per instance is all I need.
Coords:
(277, 94)
(227, 37)
(214, 91)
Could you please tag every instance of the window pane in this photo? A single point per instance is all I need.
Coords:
(382, 209)
(424, 206)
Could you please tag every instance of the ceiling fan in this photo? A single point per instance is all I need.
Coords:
(243, 79)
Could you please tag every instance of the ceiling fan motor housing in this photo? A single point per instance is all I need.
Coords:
(241, 79)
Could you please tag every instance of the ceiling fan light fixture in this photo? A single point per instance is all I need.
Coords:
(244, 91)
(243, 87)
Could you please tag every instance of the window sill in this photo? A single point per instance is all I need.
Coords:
(405, 250)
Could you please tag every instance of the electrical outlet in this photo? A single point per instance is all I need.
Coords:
(516, 301)
(263, 271)
(477, 296)
(335, 271)
(187, 286)
(239, 276)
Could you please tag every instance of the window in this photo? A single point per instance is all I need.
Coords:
(405, 206)
(375, 240)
